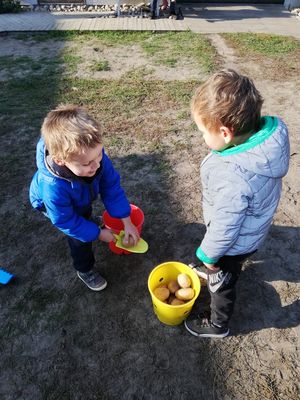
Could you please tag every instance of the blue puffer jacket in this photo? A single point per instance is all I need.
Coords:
(241, 191)
(67, 198)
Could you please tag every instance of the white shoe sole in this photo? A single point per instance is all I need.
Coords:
(207, 335)
(97, 289)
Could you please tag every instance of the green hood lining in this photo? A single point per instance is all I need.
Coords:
(268, 126)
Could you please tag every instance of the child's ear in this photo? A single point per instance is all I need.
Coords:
(59, 162)
(227, 134)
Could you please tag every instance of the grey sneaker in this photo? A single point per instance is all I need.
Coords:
(93, 280)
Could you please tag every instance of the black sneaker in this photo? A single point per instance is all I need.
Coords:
(200, 326)
(93, 280)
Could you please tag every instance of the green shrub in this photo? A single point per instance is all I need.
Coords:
(9, 6)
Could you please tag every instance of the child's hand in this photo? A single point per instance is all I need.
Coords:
(212, 267)
(131, 234)
(106, 235)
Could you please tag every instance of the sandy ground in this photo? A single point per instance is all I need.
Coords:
(62, 341)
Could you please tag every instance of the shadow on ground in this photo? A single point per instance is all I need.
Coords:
(63, 341)
(260, 306)
(212, 12)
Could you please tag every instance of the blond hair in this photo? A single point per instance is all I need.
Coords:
(69, 130)
(229, 99)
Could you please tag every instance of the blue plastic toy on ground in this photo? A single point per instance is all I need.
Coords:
(5, 276)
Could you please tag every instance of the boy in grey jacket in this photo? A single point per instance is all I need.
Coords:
(241, 179)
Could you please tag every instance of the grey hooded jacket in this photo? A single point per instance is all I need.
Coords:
(241, 191)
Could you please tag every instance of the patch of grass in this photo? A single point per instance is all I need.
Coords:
(115, 141)
(106, 37)
(131, 110)
(12, 62)
(137, 74)
(6, 62)
(112, 38)
(122, 102)
(27, 100)
(183, 115)
(70, 61)
(163, 168)
(270, 45)
(164, 48)
(179, 145)
(169, 62)
(168, 48)
(35, 66)
(156, 146)
(26, 65)
(51, 66)
(45, 36)
(181, 92)
(277, 56)
(102, 65)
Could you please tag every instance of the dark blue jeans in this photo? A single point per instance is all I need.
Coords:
(82, 254)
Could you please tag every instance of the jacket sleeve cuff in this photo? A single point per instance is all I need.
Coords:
(203, 257)
(89, 236)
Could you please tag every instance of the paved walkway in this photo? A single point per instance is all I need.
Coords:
(202, 18)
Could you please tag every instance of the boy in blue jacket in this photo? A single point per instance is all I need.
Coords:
(241, 180)
(73, 170)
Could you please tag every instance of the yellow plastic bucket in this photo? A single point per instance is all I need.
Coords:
(163, 273)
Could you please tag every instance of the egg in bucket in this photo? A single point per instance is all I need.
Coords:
(163, 274)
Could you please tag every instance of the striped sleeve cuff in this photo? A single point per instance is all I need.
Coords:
(203, 257)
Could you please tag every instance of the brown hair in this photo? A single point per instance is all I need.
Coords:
(229, 99)
(68, 130)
